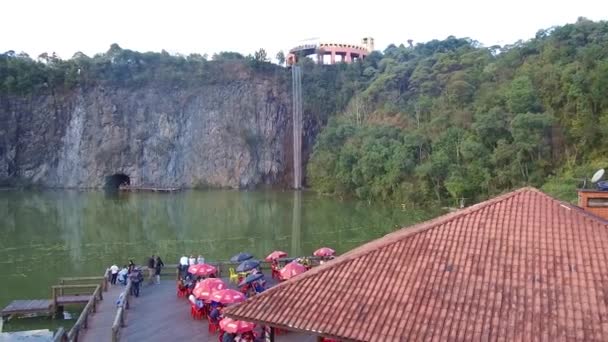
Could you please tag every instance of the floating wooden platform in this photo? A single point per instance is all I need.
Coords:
(148, 189)
(21, 307)
(67, 300)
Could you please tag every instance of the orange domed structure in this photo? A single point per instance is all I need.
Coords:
(347, 52)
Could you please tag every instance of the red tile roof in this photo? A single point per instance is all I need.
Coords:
(521, 266)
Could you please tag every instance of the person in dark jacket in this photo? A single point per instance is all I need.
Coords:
(158, 266)
(136, 278)
(215, 314)
(228, 337)
(151, 269)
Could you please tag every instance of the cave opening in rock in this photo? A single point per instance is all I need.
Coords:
(116, 180)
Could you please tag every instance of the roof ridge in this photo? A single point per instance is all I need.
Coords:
(579, 210)
(390, 239)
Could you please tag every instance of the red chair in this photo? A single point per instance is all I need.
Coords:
(213, 326)
(274, 269)
(182, 291)
(195, 312)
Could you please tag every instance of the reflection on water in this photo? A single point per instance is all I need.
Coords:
(46, 235)
(296, 224)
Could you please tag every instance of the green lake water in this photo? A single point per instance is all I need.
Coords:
(51, 234)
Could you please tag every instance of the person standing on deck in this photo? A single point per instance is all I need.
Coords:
(131, 266)
(200, 259)
(192, 260)
(114, 272)
(158, 265)
(122, 275)
(135, 277)
(151, 269)
(183, 266)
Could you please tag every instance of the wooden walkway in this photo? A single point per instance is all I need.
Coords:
(157, 315)
(99, 327)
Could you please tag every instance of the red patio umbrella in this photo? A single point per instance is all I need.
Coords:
(205, 288)
(202, 270)
(324, 252)
(291, 270)
(227, 296)
(275, 255)
(236, 327)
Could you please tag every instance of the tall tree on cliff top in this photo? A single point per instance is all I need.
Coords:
(281, 58)
(260, 56)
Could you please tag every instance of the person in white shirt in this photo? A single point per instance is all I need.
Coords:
(192, 260)
(114, 271)
(183, 260)
(200, 260)
(183, 265)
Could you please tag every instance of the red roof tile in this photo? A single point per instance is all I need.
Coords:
(521, 266)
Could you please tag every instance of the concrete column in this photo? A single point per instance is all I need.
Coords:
(333, 57)
(347, 58)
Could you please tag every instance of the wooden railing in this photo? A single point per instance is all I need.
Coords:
(73, 280)
(60, 335)
(82, 321)
(59, 290)
(121, 313)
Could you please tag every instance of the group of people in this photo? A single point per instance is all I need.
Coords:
(155, 265)
(185, 262)
(135, 274)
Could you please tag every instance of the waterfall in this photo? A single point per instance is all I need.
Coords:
(296, 75)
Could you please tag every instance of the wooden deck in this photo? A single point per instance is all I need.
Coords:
(158, 315)
(19, 307)
(147, 188)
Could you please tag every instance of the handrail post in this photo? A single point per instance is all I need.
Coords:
(105, 279)
(54, 298)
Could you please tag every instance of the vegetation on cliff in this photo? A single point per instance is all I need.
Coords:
(451, 119)
(22, 75)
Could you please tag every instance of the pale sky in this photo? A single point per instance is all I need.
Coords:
(189, 26)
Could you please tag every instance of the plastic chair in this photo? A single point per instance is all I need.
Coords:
(275, 272)
(195, 312)
(234, 277)
(213, 326)
(181, 291)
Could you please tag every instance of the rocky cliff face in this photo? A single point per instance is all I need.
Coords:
(236, 133)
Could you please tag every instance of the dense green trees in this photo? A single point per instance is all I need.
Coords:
(449, 119)
(20, 74)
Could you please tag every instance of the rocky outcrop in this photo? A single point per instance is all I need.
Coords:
(235, 133)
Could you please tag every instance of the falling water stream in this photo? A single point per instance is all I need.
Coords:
(296, 73)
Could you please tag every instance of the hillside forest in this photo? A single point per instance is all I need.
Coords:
(434, 122)
(448, 120)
